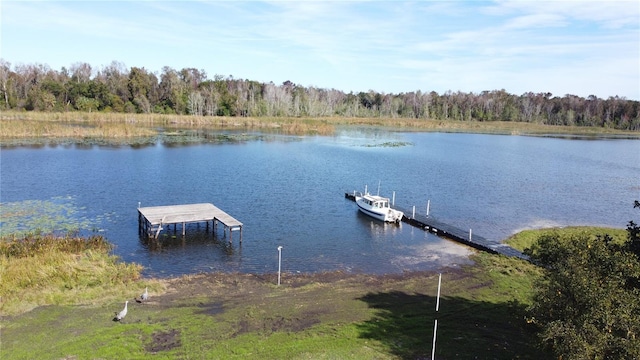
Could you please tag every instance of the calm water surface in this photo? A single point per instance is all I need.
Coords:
(290, 192)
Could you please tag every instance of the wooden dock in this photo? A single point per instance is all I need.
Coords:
(151, 220)
(441, 229)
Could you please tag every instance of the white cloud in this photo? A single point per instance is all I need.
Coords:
(349, 45)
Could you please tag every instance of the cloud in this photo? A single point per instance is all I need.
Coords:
(386, 46)
(608, 14)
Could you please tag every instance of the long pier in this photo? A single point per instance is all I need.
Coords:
(151, 220)
(450, 232)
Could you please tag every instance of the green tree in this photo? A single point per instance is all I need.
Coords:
(141, 85)
(87, 104)
(588, 302)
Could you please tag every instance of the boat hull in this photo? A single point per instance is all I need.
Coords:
(385, 214)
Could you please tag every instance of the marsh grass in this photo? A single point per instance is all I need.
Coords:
(38, 270)
(21, 125)
(143, 128)
(525, 239)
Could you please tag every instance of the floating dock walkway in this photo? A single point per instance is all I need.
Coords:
(441, 229)
(152, 219)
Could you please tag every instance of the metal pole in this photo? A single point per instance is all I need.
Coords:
(413, 216)
(438, 298)
(435, 324)
(428, 206)
(433, 347)
(393, 201)
(469, 234)
(279, 262)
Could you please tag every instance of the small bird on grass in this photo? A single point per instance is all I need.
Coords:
(123, 313)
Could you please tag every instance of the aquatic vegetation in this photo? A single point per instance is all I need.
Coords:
(56, 215)
(390, 144)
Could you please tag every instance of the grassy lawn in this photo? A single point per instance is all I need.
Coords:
(309, 316)
(526, 238)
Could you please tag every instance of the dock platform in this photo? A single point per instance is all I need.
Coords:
(450, 232)
(151, 220)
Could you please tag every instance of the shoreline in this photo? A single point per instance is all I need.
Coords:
(112, 129)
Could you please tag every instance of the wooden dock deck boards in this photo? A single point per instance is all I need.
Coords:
(157, 216)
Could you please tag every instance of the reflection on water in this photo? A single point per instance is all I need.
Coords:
(289, 191)
(192, 240)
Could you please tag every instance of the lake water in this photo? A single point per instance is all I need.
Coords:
(289, 191)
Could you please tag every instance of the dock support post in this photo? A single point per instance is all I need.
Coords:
(413, 215)
(469, 234)
(184, 229)
(279, 262)
(393, 201)
(428, 206)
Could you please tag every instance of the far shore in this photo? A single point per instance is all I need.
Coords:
(31, 128)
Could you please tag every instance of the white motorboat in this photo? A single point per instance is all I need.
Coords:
(378, 207)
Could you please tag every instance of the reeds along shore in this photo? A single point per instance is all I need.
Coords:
(117, 125)
(47, 269)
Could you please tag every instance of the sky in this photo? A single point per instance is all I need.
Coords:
(578, 47)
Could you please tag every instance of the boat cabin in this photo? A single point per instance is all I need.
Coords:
(378, 203)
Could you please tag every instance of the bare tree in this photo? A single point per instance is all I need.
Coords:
(5, 69)
(196, 103)
(81, 72)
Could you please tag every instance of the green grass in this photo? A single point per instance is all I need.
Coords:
(318, 316)
(482, 314)
(526, 238)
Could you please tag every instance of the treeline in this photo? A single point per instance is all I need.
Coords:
(115, 88)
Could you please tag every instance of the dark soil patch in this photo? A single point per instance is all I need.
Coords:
(164, 341)
(211, 308)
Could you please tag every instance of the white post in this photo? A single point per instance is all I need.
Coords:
(428, 206)
(435, 325)
(393, 199)
(138, 204)
(469, 234)
(433, 347)
(438, 298)
(279, 262)
(413, 216)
